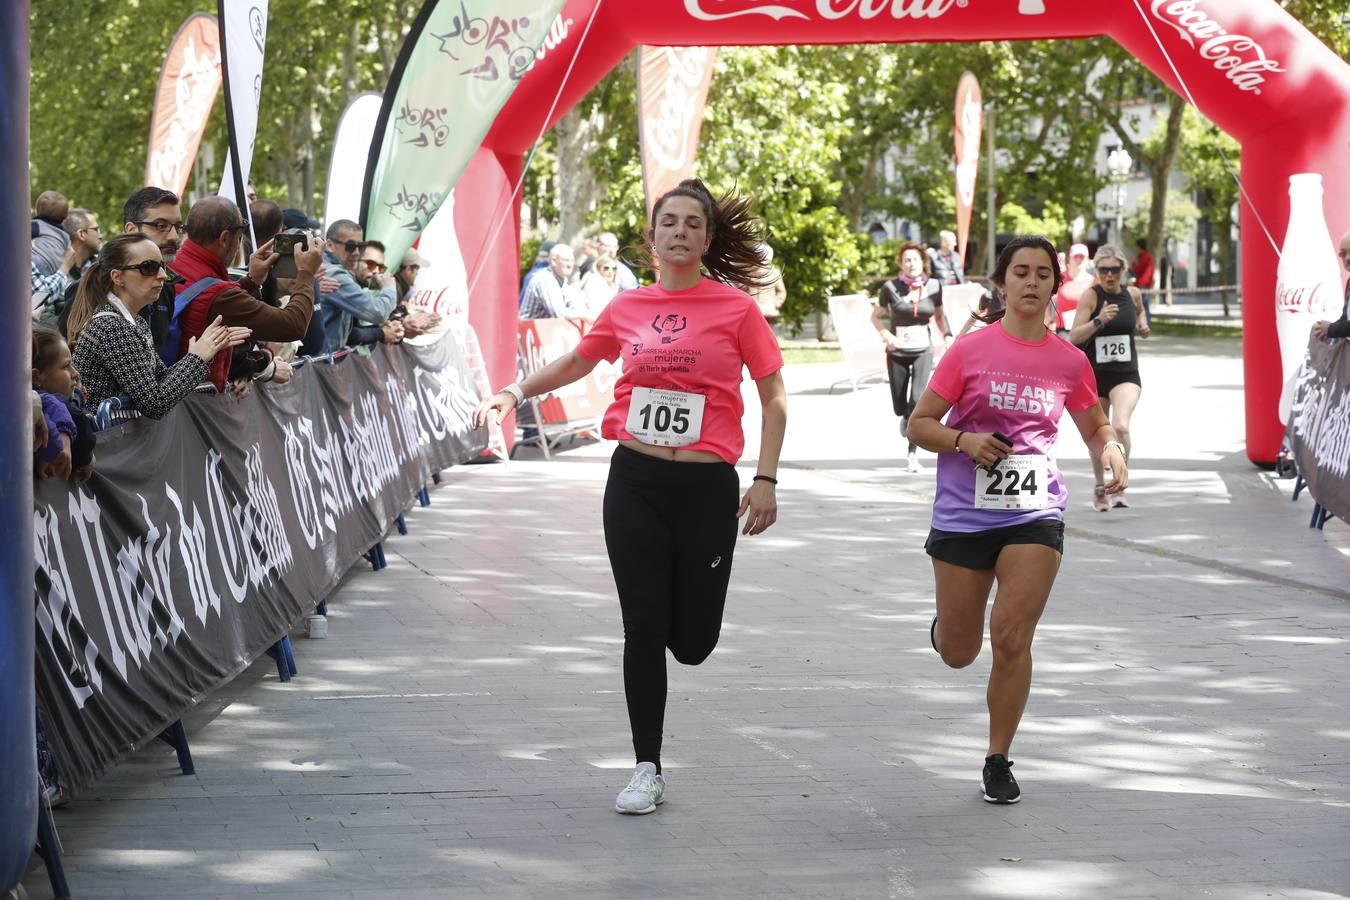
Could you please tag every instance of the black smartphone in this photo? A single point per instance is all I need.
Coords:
(285, 244)
(1005, 439)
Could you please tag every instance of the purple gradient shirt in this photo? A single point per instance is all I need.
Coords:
(996, 382)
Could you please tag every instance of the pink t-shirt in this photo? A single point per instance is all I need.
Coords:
(996, 382)
(696, 340)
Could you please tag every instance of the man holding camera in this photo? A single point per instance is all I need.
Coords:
(215, 231)
(350, 301)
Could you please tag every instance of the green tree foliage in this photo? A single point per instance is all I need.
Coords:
(1328, 19)
(95, 72)
(1179, 225)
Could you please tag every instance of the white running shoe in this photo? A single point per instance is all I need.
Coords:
(644, 793)
(913, 466)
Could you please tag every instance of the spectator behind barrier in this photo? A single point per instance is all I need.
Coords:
(82, 227)
(349, 300)
(114, 352)
(598, 286)
(545, 297)
(52, 255)
(944, 261)
(153, 212)
(54, 375)
(609, 245)
(370, 265)
(50, 242)
(205, 294)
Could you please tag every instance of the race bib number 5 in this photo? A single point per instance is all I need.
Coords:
(1018, 482)
(665, 418)
(1113, 348)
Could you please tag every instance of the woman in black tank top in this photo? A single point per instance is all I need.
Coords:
(1107, 320)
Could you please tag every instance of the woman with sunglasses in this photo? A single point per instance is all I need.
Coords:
(998, 514)
(598, 286)
(1104, 326)
(114, 352)
(670, 509)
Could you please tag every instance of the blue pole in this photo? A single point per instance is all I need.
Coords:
(18, 743)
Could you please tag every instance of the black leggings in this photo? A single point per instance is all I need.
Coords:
(909, 379)
(670, 528)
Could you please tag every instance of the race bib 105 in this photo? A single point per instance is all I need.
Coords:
(665, 418)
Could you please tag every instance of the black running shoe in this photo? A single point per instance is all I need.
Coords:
(999, 784)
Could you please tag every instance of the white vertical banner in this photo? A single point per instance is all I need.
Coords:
(442, 287)
(351, 153)
(243, 38)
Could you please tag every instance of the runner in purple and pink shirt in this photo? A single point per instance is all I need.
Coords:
(998, 514)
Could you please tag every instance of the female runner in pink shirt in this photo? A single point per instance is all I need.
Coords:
(673, 497)
(998, 514)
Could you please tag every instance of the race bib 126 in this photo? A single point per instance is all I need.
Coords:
(1113, 348)
(665, 418)
(1018, 482)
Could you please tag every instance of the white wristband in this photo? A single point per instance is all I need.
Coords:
(1114, 444)
(515, 391)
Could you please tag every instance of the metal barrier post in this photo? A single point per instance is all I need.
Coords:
(18, 738)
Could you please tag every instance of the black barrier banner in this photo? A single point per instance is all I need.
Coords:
(1319, 425)
(202, 538)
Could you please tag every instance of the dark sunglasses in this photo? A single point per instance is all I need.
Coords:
(1110, 270)
(147, 267)
(349, 246)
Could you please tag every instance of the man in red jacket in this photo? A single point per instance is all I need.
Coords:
(1142, 270)
(214, 235)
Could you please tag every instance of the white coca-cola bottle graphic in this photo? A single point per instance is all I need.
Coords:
(1307, 283)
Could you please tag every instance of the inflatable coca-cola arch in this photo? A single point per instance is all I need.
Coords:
(1251, 68)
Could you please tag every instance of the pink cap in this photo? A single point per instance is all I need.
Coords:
(1078, 250)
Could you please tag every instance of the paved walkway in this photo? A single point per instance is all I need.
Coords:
(462, 733)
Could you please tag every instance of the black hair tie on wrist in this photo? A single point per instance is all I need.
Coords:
(770, 479)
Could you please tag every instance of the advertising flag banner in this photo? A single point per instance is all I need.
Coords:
(459, 64)
(203, 538)
(672, 84)
(243, 33)
(351, 152)
(969, 117)
(188, 84)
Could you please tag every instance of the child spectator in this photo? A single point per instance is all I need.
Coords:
(54, 377)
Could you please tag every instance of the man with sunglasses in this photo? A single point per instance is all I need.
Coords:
(1325, 331)
(215, 233)
(349, 301)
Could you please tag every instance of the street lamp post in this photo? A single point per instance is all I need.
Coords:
(1119, 164)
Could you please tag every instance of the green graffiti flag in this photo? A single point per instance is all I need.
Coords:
(459, 64)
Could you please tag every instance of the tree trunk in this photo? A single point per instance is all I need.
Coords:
(578, 188)
(1161, 170)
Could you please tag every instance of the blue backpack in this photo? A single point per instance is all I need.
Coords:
(170, 353)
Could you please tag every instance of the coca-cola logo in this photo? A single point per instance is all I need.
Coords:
(717, 10)
(667, 133)
(1306, 298)
(557, 33)
(968, 159)
(1239, 57)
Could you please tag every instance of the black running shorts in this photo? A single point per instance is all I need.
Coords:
(980, 549)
